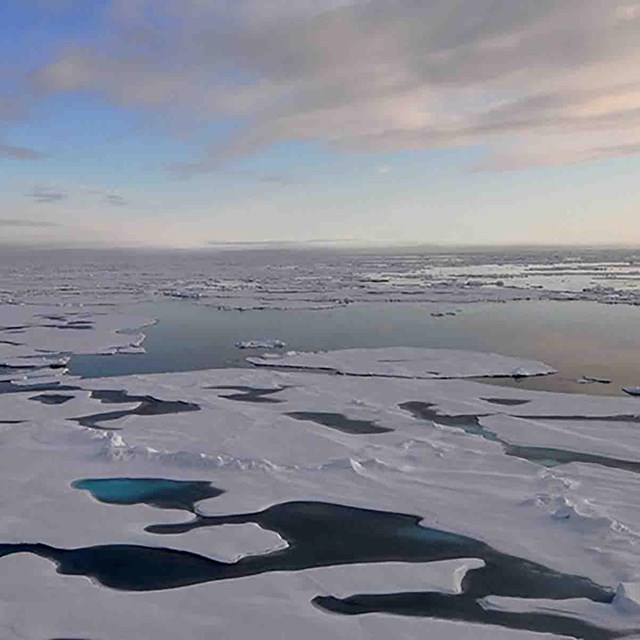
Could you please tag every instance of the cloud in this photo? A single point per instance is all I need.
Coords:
(375, 76)
(47, 195)
(52, 194)
(115, 200)
(19, 153)
(188, 170)
(15, 222)
(281, 180)
(106, 196)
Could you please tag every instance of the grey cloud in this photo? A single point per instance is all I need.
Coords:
(15, 222)
(52, 194)
(380, 75)
(19, 153)
(44, 194)
(631, 149)
(115, 200)
(112, 198)
(283, 181)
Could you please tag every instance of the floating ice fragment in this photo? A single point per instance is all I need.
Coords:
(406, 362)
(632, 391)
(261, 344)
(594, 379)
(183, 295)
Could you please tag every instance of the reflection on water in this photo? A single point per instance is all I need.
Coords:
(577, 338)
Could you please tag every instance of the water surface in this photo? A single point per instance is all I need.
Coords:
(577, 338)
(324, 535)
(156, 492)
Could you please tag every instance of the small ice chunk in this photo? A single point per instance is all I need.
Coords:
(595, 379)
(183, 295)
(632, 391)
(261, 344)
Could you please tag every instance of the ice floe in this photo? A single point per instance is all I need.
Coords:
(406, 362)
(261, 344)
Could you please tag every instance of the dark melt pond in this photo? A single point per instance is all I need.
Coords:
(339, 422)
(52, 398)
(147, 406)
(323, 535)
(546, 456)
(243, 393)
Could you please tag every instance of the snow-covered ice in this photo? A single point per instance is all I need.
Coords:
(261, 457)
(405, 362)
(261, 344)
(460, 475)
(321, 279)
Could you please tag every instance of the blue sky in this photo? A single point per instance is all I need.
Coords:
(130, 122)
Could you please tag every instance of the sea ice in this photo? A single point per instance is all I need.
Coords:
(261, 344)
(406, 362)
(578, 518)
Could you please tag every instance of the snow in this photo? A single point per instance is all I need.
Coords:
(321, 279)
(259, 457)
(445, 576)
(41, 604)
(406, 362)
(592, 612)
(42, 335)
(579, 518)
(627, 598)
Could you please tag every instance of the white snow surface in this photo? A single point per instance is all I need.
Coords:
(580, 518)
(406, 362)
(577, 518)
(33, 337)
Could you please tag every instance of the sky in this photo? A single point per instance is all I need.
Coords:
(189, 123)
